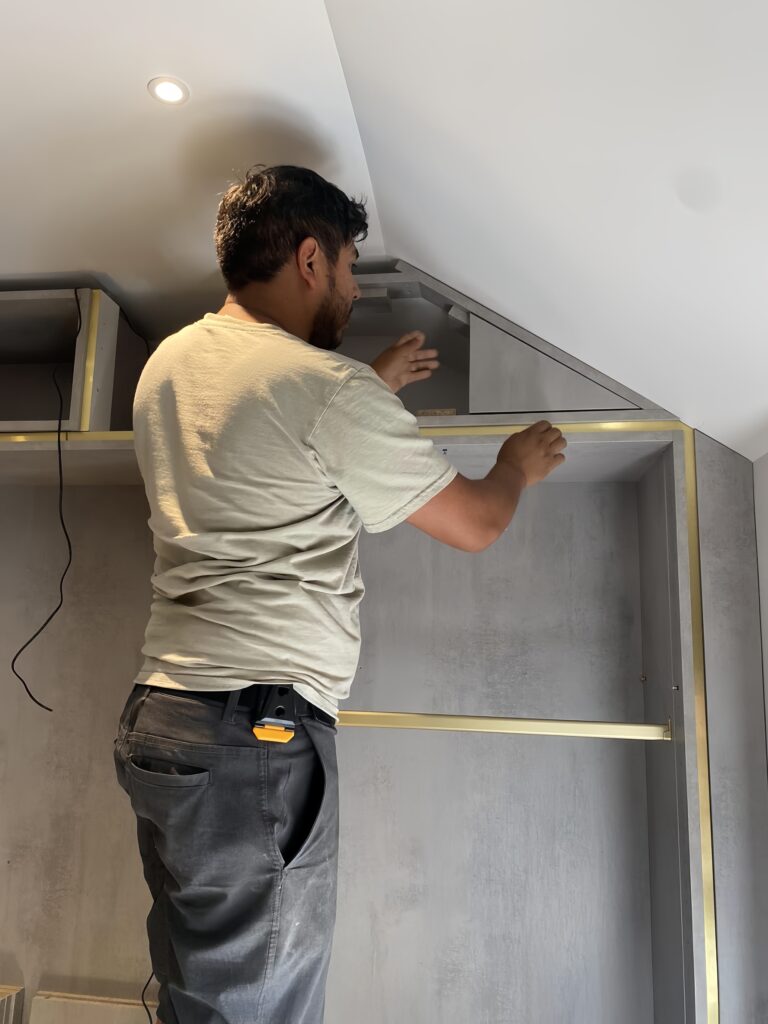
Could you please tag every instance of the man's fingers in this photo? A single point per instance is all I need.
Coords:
(427, 353)
(425, 364)
(417, 338)
(552, 435)
(558, 444)
(419, 375)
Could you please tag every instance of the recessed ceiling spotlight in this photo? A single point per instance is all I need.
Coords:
(168, 90)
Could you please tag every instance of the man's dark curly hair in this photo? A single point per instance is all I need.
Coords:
(263, 220)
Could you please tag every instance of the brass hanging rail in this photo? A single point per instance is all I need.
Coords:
(519, 726)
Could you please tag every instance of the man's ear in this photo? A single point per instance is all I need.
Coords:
(310, 261)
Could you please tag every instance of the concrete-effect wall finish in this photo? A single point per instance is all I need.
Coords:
(442, 834)
(736, 727)
(74, 900)
(760, 470)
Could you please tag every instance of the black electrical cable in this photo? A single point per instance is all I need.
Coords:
(69, 563)
(127, 320)
(61, 501)
(63, 524)
(149, 1015)
(149, 979)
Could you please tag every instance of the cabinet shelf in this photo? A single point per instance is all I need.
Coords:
(107, 458)
(104, 459)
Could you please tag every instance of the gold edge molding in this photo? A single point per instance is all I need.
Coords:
(584, 427)
(90, 359)
(702, 743)
(76, 997)
(519, 726)
(70, 435)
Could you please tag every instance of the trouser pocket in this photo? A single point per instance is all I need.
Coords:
(160, 771)
(303, 794)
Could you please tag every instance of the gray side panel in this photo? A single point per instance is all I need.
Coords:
(736, 728)
(761, 521)
(665, 764)
(104, 365)
(506, 375)
(130, 358)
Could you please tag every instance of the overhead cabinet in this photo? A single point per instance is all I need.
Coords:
(67, 353)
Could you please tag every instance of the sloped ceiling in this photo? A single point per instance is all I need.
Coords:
(595, 172)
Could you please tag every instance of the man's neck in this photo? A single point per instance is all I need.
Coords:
(269, 309)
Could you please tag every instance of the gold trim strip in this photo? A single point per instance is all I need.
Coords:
(702, 742)
(517, 726)
(90, 360)
(75, 997)
(70, 435)
(586, 427)
(493, 430)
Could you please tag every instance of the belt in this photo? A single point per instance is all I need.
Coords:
(274, 709)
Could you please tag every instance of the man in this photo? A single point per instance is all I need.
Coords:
(263, 453)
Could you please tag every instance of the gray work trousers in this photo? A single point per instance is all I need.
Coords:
(239, 843)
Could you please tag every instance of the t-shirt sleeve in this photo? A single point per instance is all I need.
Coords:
(369, 446)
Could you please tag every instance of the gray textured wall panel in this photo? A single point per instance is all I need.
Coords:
(761, 522)
(499, 879)
(74, 899)
(545, 623)
(673, 990)
(491, 879)
(512, 869)
(736, 728)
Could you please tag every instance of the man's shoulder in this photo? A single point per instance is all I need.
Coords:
(290, 362)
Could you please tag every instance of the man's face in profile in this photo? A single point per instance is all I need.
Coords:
(333, 314)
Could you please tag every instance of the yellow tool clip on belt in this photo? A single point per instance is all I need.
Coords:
(273, 732)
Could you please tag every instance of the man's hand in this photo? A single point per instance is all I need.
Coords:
(535, 452)
(405, 361)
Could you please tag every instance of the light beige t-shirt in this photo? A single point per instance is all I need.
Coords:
(262, 457)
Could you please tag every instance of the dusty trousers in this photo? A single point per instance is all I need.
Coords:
(239, 845)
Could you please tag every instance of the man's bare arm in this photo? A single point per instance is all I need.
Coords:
(472, 514)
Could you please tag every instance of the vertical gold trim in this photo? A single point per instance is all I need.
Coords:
(90, 359)
(702, 741)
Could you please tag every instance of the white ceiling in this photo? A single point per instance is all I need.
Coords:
(97, 176)
(595, 172)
